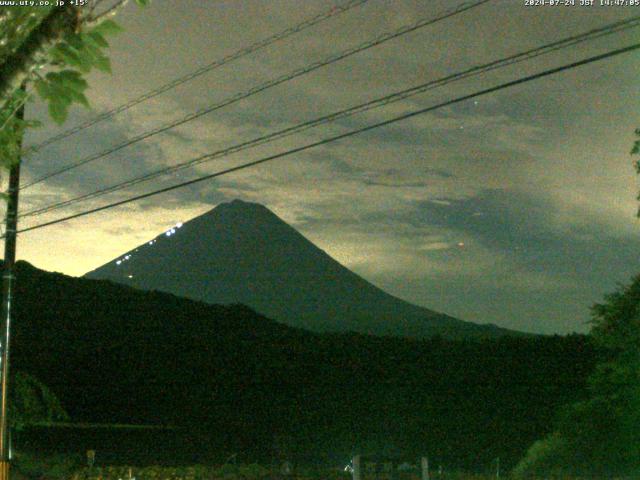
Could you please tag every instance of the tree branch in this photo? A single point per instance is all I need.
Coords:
(16, 67)
(14, 111)
(110, 12)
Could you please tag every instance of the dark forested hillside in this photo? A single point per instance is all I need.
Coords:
(248, 384)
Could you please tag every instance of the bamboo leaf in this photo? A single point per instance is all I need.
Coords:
(99, 39)
(103, 64)
(58, 111)
(108, 27)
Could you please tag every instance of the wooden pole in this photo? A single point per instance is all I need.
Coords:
(8, 278)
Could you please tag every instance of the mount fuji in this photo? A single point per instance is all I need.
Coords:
(241, 252)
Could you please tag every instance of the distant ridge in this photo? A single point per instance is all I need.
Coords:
(241, 252)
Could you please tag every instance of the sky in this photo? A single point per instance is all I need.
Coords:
(516, 208)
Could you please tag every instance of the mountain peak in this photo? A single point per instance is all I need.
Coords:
(241, 208)
(241, 252)
(241, 205)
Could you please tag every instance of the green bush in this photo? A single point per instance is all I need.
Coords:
(53, 466)
(253, 471)
(547, 458)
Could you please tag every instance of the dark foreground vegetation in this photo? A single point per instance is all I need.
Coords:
(238, 383)
(66, 469)
(598, 437)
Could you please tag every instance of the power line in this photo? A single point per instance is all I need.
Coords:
(351, 133)
(264, 86)
(336, 10)
(385, 37)
(615, 27)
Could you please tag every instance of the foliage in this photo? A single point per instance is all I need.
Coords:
(31, 401)
(253, 471)
(545, 458)
(616, 322)
(600, 433)
(196, 472)
(13, 128)
(635, 150)
(74, 55)
(240, 472)
(60, 466)
(16, 24)
(55, 68)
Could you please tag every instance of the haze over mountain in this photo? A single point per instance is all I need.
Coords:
(242, 252)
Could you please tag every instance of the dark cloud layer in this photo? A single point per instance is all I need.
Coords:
(522, 226)
(568, 262)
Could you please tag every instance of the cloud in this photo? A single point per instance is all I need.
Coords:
(434, 246)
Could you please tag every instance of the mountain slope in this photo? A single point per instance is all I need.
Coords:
(241, 252)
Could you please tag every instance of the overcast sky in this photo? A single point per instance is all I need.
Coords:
(516, 208)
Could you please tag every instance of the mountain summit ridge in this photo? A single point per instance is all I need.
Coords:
(242, 252)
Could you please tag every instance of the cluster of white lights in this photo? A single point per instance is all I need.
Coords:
(168, 233)
(172, 230)
(123, 259)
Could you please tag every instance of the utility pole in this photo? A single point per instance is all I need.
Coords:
(8, 277)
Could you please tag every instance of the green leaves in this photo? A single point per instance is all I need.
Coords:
(601, 432)
(636, 147)
(76, 54)
(61, 90)
(103, 64)
(636, 151)
(83, 51)
(12, 128)
(108, 27)
(32, 402)
(96, 38)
